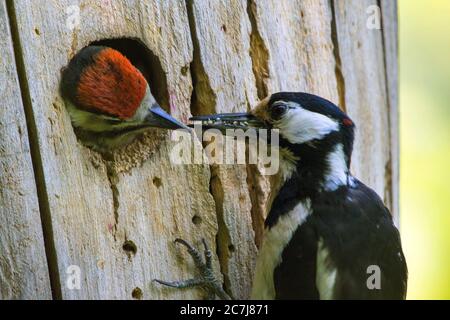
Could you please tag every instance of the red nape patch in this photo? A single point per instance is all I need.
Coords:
(111, 85)
(347, 122)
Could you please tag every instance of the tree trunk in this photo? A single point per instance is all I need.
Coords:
(66, 209)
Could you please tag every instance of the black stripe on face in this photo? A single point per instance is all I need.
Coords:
(311, 103)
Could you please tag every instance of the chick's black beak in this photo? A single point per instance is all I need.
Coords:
(223, 121)
(160, 119)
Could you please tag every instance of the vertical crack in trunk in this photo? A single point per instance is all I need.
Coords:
(203, 101)
(259, 55)
(340, 80)
(203, 97)
(389, 183)
(223, 235)
(258, 201)
(113, 179)
(36, 157)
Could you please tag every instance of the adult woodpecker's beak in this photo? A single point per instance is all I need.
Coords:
(160, 119)
(223, 121)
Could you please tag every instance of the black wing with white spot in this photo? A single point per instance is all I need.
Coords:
(363, 258)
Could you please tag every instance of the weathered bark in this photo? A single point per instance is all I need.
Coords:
(362, 63)
(390, 37)
(97, 208)
(117, 219)
(23, 266)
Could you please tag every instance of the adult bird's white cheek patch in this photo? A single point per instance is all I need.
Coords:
(300, 125)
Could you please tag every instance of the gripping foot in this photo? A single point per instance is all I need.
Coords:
(207, 280)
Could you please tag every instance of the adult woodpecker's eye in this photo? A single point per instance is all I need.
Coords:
(278, 110)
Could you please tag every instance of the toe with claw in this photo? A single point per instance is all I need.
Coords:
(206, 280)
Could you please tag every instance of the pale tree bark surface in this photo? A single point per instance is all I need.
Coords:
(95, 213)
(115, 219)
(23, 265)
(362, 64)
(390, 37)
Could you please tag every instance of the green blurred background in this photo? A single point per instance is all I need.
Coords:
(424, 35)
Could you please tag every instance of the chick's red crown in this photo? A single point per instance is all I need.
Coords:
(111, 85)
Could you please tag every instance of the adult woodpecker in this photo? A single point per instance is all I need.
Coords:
(326, 232)
(109, 100)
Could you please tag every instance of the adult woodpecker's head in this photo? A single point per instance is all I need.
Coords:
(314, 133)
(109, 100)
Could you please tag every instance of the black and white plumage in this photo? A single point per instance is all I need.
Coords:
(325, 229)
(343, 233)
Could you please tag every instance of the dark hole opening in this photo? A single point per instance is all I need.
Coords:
(157, 182)
(137, 293)
(196, 220)
(129, 247)
(146, 62)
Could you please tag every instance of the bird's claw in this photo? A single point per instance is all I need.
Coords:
(207, 278)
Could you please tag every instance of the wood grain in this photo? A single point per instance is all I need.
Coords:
(362, 57)
(223, 66)
(23, 265)
(390, 36)
(300, 46)
(95, 206)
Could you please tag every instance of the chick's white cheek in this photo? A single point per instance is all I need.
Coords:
(299, 125)
(146, 104)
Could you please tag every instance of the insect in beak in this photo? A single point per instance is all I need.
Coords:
(223, 121)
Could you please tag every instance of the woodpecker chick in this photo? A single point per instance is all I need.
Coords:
(109, 100)
(328, 236)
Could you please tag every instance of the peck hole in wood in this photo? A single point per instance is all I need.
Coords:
(129, 247)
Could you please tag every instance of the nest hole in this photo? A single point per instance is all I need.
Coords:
(146, 62)
(149, 64)
(129, 247)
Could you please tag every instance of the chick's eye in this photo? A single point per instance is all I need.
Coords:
(278, 110)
